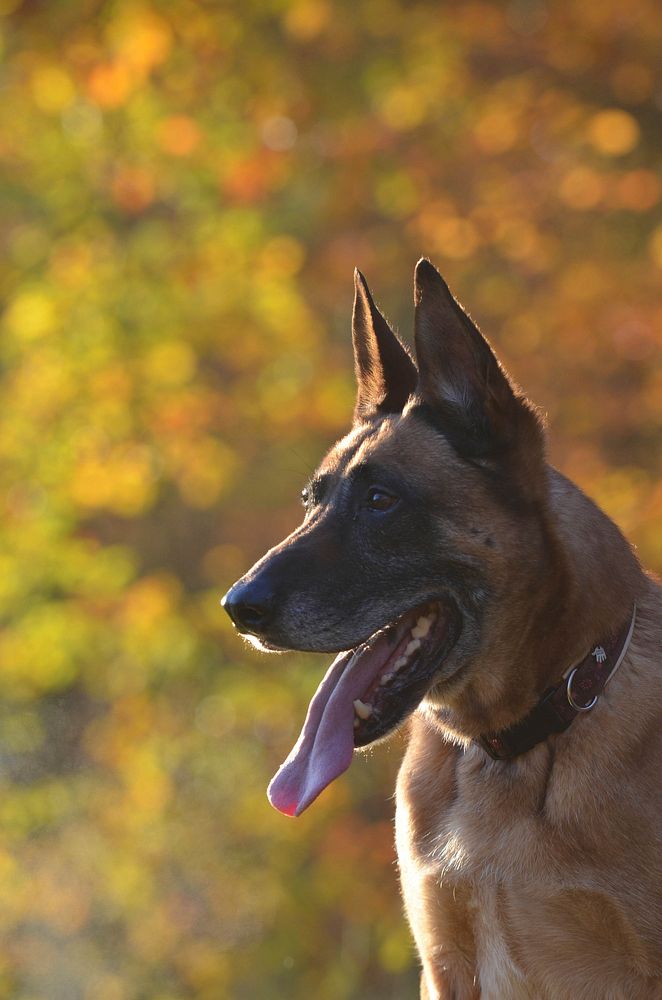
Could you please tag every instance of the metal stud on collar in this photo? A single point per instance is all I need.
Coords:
(571, 700)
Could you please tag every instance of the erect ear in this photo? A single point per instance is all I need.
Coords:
(385, 374)
(461, 380)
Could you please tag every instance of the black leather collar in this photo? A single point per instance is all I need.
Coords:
(577, 692)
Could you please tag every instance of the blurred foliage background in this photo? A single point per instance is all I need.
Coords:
(186, 187)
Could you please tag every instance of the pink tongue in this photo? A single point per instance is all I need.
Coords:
(326, 744)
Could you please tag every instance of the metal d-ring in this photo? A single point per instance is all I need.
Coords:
(571, 700)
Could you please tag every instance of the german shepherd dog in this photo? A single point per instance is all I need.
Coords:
(471, 589)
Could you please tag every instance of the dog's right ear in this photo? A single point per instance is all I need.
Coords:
(386, 376)
(481, 412)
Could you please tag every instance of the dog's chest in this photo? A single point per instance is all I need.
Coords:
(484, 866)
(465, 852)
(498, 973)
(487, 832)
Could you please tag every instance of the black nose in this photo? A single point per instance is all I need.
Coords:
(249, 605)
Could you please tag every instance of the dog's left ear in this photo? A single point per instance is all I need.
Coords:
(385, 374)
(474, 402)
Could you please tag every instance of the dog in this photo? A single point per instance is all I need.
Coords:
(472, 591)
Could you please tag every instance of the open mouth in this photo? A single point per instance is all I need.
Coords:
(365, 694)
(399, 663)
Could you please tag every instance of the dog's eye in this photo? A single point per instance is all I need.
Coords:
(378, 499)
(305, 496)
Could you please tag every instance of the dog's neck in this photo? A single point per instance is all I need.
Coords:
(586, 585)
(602, 574)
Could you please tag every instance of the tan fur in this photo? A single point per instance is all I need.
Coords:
(541, 877)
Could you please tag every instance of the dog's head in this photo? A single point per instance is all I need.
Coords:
(420, 526)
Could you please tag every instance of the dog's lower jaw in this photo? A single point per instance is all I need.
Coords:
(501, 663)
(483, 694)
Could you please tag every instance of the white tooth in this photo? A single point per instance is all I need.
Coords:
(412, 647)
(422, 627)
(400, 663)
(386, 677)
(362, 710)
(356, 723)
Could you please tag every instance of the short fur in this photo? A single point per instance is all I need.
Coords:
(540, 876)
